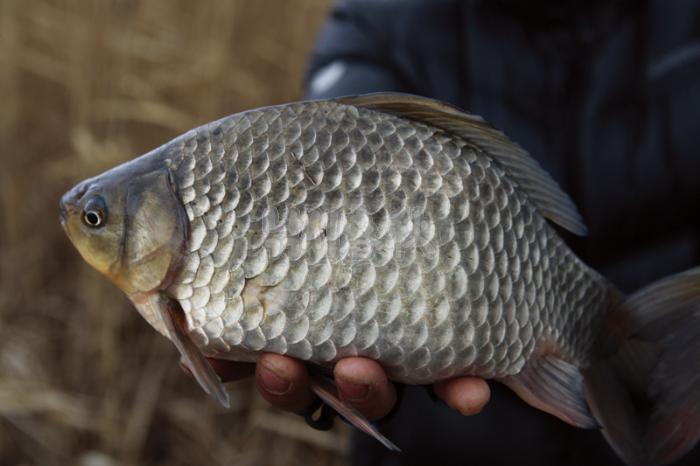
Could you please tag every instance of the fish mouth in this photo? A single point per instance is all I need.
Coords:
(62, 213)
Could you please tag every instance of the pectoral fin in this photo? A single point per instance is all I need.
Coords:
(170, 316)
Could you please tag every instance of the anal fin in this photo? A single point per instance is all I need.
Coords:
(555, 387)
(327, 392)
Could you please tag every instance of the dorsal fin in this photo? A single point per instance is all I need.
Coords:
(540, 188)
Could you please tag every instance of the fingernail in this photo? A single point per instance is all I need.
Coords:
(354, 392)
(272, 381)
(468, 409)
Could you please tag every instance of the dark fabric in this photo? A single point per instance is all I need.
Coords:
(606, 95)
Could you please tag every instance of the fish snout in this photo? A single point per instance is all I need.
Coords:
(62, 211)
(70, 201)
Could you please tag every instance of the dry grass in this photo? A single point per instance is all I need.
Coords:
(85, 85)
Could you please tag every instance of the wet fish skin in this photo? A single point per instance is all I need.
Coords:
(397, 228)
(322, 230)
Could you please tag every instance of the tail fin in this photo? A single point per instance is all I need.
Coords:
(646, 392)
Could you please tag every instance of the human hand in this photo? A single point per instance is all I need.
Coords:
(362, 383)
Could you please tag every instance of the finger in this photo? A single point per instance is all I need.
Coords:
(363, 384)
(468, 395)
(283, 382)
(230, 371)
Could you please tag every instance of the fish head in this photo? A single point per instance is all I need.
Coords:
(129, 224)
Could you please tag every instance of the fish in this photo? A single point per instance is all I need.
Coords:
(401, 229)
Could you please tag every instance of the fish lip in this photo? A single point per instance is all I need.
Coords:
(62, 213)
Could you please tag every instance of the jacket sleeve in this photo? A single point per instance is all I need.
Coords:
(351, 55)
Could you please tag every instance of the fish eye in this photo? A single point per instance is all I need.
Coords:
(95, 212)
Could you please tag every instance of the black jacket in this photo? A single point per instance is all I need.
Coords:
(606, 95)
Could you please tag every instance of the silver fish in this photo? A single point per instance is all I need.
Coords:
(399, 229)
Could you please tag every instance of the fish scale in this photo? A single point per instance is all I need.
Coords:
(322, 230)
(397, 228)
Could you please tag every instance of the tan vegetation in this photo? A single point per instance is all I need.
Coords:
(85, 85)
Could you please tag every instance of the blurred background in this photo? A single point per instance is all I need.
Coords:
(85, 85)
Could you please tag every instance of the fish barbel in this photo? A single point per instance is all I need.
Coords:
(396, 228)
